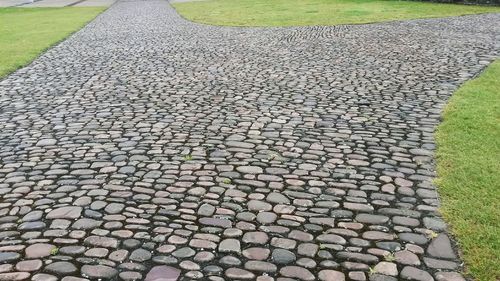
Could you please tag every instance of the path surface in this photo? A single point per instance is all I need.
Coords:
(55, 3)
(145, 140)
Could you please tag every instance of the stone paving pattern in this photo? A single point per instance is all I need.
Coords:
(148, 147)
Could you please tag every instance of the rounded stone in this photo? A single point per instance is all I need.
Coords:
(61, 268)
(99, 271)
(281, 256)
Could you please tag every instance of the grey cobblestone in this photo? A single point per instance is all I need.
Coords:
(146, 146)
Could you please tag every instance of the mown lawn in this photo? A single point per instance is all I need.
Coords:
(316, 12)
(468, 158)
(26, 32)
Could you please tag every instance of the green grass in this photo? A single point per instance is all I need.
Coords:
(468, 158)
(316, 12)
(26, 32)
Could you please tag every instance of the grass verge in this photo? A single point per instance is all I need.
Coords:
(468, 159)
(26, 32)
(316, 12)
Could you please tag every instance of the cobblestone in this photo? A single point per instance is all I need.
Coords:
(148, 147)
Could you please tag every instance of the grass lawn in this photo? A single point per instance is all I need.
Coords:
(316, 12)
(26, 32)
(469, 172)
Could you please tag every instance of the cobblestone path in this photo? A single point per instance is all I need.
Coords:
(146, 146)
